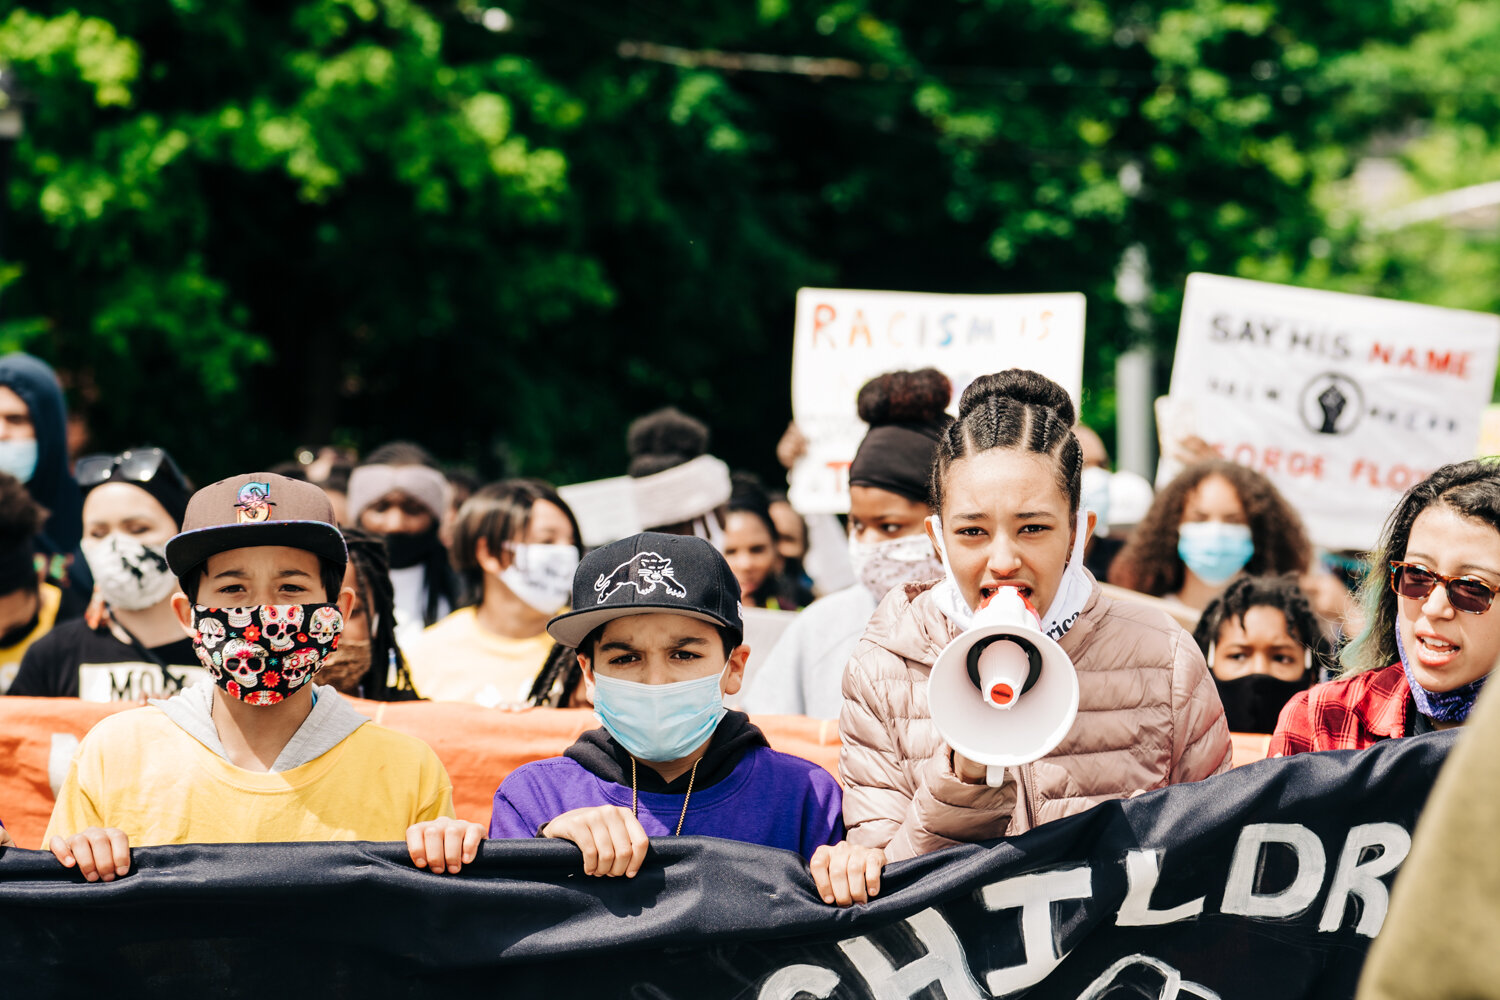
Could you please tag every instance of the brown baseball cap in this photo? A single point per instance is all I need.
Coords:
(260, 508)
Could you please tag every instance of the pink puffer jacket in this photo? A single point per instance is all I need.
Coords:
(1148, 716)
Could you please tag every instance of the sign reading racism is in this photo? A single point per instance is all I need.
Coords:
(1343, 401)
(844, 338)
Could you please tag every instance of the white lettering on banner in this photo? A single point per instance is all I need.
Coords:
(1172, 986)
(60, 759)
(944, 963)
(1240, 896)
(844, 338)
(1034, 894)
(1354, 877)
(1141, 872)
(1343, 401)
(1358, 874)
(796, 980)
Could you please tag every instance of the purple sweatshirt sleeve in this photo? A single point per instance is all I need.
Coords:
(506, 822)
(824, 822)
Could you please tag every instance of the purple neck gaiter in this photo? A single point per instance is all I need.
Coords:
(1440, 706)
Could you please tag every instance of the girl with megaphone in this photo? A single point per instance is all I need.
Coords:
(1006, 485)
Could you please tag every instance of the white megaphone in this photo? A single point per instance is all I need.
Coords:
(1003, 693)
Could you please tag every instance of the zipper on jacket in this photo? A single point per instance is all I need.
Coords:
(1028, 783)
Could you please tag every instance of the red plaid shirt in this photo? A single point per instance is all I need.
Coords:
(1349, 714)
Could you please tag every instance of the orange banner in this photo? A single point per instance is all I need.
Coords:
(478, 746)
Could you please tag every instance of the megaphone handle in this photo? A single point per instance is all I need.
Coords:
(994, 775)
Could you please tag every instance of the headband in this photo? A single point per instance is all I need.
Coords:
(898, 458)
(368, 483)
(682, 492)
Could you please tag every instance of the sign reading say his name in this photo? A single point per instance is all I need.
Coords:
(1343, 401)
(844, 338)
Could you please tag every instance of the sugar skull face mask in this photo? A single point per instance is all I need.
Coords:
(260, 655)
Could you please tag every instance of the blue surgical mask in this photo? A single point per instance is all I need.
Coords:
(18, 458)
(1214, 550)
(659, 722)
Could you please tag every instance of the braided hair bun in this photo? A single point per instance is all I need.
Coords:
(1025, 387)
(905, 397)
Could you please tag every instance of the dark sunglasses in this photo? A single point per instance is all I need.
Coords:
(140, 465)
(1465, 593)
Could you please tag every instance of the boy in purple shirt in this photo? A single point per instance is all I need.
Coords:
(656, 622)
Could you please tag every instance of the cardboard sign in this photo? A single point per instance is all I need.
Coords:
(844, 338)
(1343, 401)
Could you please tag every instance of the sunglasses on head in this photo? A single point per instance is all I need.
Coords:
(141, 465)
(1465, 593)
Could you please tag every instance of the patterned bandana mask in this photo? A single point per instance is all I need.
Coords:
(262, 654)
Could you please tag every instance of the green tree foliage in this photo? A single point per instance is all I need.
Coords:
(241, 226)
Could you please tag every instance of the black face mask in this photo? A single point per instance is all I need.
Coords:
(408, 548)
(1253, 703)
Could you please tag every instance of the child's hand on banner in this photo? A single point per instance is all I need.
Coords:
(5, 838)
(612, 840)
(847, 873)
(99, 853)
(443, 844)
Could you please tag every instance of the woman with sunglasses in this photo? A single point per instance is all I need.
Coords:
(1431, 636)
(133, 502)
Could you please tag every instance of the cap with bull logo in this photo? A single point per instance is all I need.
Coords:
(260, 508)
(647, 573)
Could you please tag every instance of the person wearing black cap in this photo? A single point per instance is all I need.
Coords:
(656, 622)
(260, 755)
(888, 547)
(133, 503)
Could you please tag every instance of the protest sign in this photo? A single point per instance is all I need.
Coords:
(844, 338)
(1343, 401)
(1268, 881)
(763, 629)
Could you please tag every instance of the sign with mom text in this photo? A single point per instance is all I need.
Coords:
(845, 337)
(1343, 401)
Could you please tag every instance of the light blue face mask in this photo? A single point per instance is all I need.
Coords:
(18, 458)
(659, 722)
(1213, 550)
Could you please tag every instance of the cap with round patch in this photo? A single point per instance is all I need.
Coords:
(260, 508)
(648, 573)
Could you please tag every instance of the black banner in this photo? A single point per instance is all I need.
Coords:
(1269, 881)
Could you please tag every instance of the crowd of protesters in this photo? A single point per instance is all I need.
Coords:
(240, 614)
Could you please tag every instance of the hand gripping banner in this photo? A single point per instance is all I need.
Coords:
(1268, 881)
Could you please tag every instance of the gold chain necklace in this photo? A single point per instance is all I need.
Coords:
(635, 805)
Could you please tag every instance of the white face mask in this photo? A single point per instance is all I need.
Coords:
(131, 576)
(892, 562)
(1072, 590)
(541, 575)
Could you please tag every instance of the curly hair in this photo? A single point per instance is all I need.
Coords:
(905, 397)
(1279, 592)
(1149, 563)
(1470, 489)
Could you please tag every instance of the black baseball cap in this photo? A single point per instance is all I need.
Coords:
(649, 573)
(260, 508)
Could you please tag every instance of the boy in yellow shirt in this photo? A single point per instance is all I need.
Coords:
(261, 755)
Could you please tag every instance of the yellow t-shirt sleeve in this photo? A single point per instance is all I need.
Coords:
(76, 809)
(436, 792)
